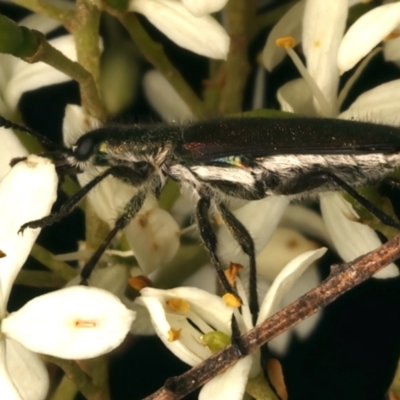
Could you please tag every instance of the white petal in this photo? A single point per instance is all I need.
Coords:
(202, 7)
(366, 33)
(27, 371)
(188, 347)
(380, 104)
(391, 50)
(306, 221)
(164, 99)
(10, 148)
(351, 238)
(8, 389)
(285, 280)
(309, 280)
(260, 218)
(76, 122)
(113, 278)
(143, 324)
(289, 25)
(27, 77)
(203, 278)
(323, 27)
(285, 245)
(154, 238)
(27, 193)
(230, 384)
(40, 23)
(296, 97)
(73, 323)
(203, 35)
(207, 311)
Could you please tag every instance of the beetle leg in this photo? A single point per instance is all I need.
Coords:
(210, 241)
(130, 211)
(392, 181)
(68, 206)
(317, 179)
(246, 242)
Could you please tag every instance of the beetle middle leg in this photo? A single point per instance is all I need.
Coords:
(130, 211)
(246, 242)
(210, 241)
(319, 178)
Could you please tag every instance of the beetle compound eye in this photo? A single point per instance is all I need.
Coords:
(84, 148)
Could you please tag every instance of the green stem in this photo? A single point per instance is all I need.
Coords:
(47, 259)
(85, 28)
(42, 279)
(83, 381)
(155, 54)
(51, 56)
(48, 9)
(239, 14)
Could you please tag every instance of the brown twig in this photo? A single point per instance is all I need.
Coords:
(343, 277)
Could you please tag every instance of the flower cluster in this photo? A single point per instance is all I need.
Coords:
(192, 320)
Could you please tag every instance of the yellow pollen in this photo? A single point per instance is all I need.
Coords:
(103, 147)
(287, 42)
(231, 300)
(139, 282)
(85, 324)
(178, 305)
(174, 334)
(232, 272)
(392, 35)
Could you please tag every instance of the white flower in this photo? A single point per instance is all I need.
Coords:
(76, 323)
(202, 35)
(316, 93)
(369, 30)
(153, 234)
(183, 316)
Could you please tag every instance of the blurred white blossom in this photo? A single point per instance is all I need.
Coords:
(201, 34)
(75, 323)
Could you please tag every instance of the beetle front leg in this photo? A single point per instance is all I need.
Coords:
(68, 206)
(130, 211)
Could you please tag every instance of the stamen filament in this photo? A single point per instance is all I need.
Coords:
(288, 43)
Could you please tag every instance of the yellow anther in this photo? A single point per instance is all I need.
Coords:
(178, 305)
(174, 334)
(139, 282)
(287, 42)
(231, 300)
(232, 272)
(2, 254)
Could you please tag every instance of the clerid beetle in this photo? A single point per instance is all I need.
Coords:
(246, 158)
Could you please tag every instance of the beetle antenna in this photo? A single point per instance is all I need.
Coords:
(43, 140)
